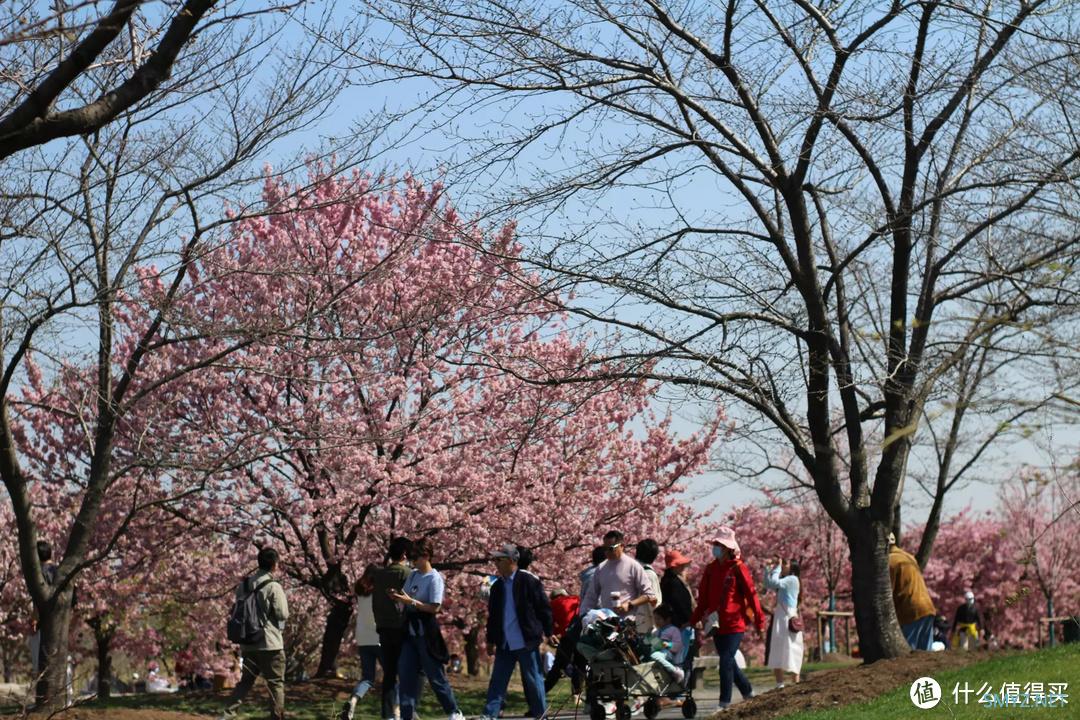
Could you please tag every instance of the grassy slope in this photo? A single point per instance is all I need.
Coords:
(1060, 664)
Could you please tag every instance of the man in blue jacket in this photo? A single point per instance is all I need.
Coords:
(519, 619)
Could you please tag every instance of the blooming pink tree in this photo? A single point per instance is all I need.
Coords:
(1041, 511)
(15, 607)
(352, 366)
(153, 552)
(421, 403)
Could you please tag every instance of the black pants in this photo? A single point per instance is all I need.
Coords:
(390, 643)
(567, 660)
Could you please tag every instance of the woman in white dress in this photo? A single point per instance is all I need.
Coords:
(785, 646)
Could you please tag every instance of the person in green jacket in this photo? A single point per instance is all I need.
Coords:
(266, 658)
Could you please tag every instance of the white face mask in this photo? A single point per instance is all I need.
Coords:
(718, 552)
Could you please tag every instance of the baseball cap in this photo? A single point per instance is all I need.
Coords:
(506, 550)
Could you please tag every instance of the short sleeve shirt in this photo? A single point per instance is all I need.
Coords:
(425, 587)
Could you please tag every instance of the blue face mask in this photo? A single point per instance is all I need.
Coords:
(718, 552)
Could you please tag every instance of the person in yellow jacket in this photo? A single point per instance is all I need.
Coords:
(914, 608)
(966, 624)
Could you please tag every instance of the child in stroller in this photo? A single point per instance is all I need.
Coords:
(671, 651)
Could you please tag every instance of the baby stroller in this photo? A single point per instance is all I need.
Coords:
(620, 671)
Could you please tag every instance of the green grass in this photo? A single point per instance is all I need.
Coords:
(1060, 664)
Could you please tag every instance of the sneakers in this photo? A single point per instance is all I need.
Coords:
(457, 715)
(779, 685)
(348, 710)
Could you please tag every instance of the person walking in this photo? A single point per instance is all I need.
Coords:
(675, 588)
(266, 657)
(966, 625)
(519, 619)
(646, 552)
(424, 650)
(389, 616)
(785, 636)
(727, 589)
(367, 641)
(564, 608)
(677, 595)
(914, 608)
(620, 583)
(566, 626)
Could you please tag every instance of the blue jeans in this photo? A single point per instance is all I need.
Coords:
(532, 677)
(726, 645)
(369, 655)
(920, 634)
(415, 659)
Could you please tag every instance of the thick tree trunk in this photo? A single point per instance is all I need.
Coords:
(472, 652)
(337, 624)
(103, 636)
(871, 590)
(54, 623)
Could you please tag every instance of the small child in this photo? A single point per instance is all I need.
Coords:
(671, 642)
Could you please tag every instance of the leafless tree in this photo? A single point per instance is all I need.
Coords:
(49, 50)
(145, 182)
(812, 209)
(996, 396)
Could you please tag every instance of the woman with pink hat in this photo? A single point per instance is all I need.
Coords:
(727, 589)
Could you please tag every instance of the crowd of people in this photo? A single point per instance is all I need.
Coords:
(398, 603)
(397, 626)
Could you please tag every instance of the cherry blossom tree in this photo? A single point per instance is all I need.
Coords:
(1041, 511)
(420, 403)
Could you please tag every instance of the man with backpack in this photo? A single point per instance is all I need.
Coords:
(256, 624)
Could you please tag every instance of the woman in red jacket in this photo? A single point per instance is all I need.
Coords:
(727, 589)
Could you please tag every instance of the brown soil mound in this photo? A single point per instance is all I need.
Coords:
(848, 686)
